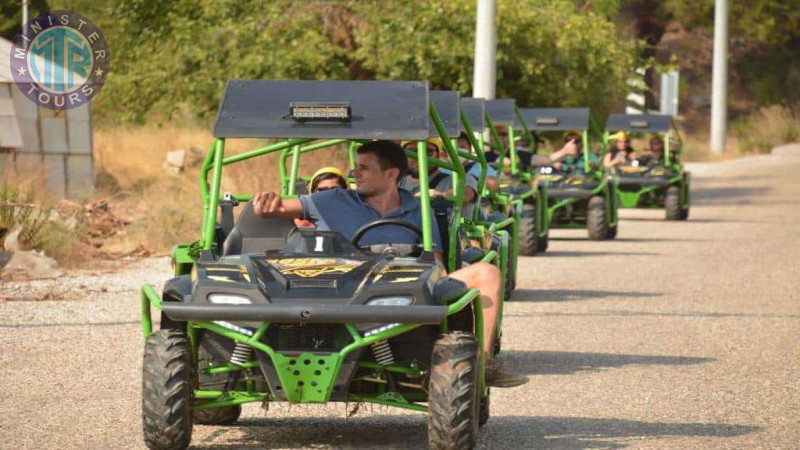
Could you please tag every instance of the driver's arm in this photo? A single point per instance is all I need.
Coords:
(270, 204)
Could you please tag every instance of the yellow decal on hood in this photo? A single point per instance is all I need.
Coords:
(312, 267)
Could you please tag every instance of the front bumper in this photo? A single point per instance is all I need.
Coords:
(305, 313)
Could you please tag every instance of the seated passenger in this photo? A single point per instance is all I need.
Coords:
(473, 168)
(575, 164)
(526, 156)
(323, 180)
(621, 152)
(569, 149)
(327, 178)
(439, 180)
(379, 166)
(656, 155)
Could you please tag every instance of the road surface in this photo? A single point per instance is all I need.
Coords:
(674, 335)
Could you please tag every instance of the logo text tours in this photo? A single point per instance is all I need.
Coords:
(60, 60)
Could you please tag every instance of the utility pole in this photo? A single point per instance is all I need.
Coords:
(25, 12)
(485, 71)
(719, 88)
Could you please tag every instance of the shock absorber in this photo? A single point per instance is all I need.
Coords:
(382, 353)
(241, 354)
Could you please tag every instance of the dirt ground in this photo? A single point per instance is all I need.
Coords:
(674, 335)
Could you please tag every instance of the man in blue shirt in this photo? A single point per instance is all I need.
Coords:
(379, 166)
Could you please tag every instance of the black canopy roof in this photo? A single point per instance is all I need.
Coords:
(638, 122)
(501, 111)
(446, 104)
(378, 109)
(555, 119)
(474, 108)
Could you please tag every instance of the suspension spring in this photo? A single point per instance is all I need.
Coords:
(382, 353)
(241, 354)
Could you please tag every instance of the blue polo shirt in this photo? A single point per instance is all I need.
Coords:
(345, 211)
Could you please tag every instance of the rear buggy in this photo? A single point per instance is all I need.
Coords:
(653, 182)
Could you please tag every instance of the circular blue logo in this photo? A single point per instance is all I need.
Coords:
(60, 60)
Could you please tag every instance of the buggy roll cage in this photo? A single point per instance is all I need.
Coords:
(425, 122)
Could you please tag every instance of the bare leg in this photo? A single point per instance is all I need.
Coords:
(486, 278)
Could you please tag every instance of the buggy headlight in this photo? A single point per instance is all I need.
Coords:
(228, 299)
(391, 301)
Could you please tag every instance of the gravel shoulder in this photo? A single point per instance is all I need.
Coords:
(675, 335)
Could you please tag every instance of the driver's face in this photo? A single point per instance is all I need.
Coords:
(657, 146)
(621, 144)
(370, 178)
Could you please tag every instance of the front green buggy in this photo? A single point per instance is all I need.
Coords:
(578, 195)
(261, 312)
(653, 180)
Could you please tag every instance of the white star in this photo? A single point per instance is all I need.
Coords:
(21, 71)
(98, 72)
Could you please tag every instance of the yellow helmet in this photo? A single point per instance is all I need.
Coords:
(620, 135)
(437, 142)
(325, 170)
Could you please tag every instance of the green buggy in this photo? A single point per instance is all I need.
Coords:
(518, 195)
(652, 181)
(580, 195)
(262, 312)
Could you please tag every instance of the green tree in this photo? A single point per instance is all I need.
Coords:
(11, 15)
(173, 60)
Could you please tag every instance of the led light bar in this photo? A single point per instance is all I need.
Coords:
(547, 121)
(301, 111)
(638, 123)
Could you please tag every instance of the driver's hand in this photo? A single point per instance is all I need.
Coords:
(558, 166)
(268, 204)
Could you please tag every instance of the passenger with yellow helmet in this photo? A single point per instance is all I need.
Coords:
(621, 152)
(327, 178)
(324, 179)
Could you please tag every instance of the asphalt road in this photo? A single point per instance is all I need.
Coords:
(675, 335)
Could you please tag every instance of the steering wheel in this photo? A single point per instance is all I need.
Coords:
(383, 222)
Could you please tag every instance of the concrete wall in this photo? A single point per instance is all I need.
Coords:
(56, 146)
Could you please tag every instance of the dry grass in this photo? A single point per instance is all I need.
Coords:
(165, 209)
(755, 134)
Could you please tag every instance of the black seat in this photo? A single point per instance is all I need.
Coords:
(253, 234)
(443, 213)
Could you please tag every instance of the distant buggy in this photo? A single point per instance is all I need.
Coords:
(653, 182)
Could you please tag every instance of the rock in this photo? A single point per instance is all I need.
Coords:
(29, 265)
(12, 240)
(175, 161)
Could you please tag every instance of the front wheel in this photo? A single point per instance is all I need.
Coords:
(167, 390)
(453, 403)
(672, 204)
(612, 232)
(528, 238)
(543, 242)
(225, 415)
(596, 218)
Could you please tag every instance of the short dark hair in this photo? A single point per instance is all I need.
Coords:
(570, 136)
(390, 155)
